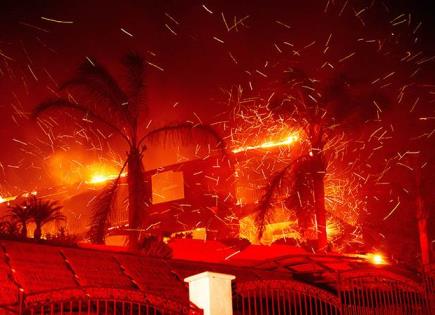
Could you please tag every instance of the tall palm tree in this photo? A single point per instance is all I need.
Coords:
(22, 215)
(319, 107)
(101, 99)
(43, 212)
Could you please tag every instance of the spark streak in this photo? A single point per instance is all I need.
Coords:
(269, 144)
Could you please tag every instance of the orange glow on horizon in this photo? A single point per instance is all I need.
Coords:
(292, 138)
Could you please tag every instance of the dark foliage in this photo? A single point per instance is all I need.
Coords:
(101, 99)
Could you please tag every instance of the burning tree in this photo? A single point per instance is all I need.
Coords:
(322, 109)
(101, 99)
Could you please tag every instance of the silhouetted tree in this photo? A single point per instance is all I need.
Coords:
(43, 212)
(319, 107)
(21, 215)
(9, 229)
(101, 99)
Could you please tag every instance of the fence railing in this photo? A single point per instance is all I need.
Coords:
(283, 297)
(429, 284)
(381, 292)
(371, 292)
(104, 301)
(366, 292)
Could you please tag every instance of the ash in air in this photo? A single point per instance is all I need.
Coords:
(306, 123)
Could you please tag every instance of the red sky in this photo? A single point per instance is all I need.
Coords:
(197, 66)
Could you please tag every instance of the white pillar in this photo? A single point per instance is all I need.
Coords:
(212, 292)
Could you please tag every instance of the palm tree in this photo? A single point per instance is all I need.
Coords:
(295, 183)
(101, 99)
(9, 229)
(21, 214)
(43, 212)
(320, 108)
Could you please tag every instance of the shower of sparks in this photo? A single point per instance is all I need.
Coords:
(361, 160)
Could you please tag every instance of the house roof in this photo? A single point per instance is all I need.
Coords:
(36, 269)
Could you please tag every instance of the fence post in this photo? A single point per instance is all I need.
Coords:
(212, 292)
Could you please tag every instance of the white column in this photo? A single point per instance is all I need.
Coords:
(212, 292)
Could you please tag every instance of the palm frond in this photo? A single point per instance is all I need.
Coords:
(20, 215)
(9, 229)
(135, 68)
(266, 202)
(60, 103)
(102, 209)
(44, 211)
(94, 82)
(185, 133)
(96, 78)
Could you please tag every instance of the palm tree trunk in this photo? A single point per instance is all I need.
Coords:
(24, 230)
(319, 171)
(422, 219)
(316, 135)
(422, 222)
(319, 204)
(422, 215)
(38, 231)
(137, 196)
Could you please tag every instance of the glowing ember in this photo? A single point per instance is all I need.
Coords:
(102, 178)
(270, 144)
(12, 198)
(6, 199)
(376, 259)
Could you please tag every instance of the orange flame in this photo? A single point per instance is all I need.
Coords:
(376, 259)
(99, 178)
(292, 138)
(6, 199)
(12, 198)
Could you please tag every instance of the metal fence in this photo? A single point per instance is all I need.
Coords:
(363, 292)
(95, 307)
(381, 292)
(283, 297)
(429, 284)
(368, 292)
(69, 302)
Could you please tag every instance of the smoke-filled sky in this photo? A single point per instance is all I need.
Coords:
(197, 52)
